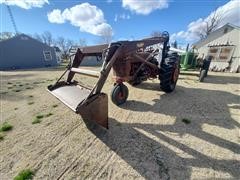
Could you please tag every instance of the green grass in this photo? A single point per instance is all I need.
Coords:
(40, 116)
(30, 103)
(1, 136)
(29, 87)
(55, 105)
(26, 174)
(6, 127)
(4, 92)
(36, 121)
(49, 114)
(186, 121)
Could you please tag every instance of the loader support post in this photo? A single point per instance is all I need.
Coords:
(75, 64)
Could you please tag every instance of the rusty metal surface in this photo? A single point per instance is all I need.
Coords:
(95, 109)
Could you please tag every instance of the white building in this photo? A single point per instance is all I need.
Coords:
(224, 45)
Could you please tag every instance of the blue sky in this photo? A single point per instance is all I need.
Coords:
(126, 21)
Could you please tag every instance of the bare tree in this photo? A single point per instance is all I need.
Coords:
(47, 38)
(211, 24)
(64, 45)
(38, 37)
(156, 34)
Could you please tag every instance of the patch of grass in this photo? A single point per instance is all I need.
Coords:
(29, 87)
(4, 92)
(15, 108)
(20, 84)
(25, 174)
(30, 103)
(36, 82)
(31, 96)
(6, 127)
(36, 121)
(10, 87)
(40, 116)
(1, 137)
(49, 114)
(186, 121)
(17, 90)
(9, 83)
(55, 105)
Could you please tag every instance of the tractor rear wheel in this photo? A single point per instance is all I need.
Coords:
(169, 72)
(119, 94)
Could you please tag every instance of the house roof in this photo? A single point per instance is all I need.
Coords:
(211, 35)
(22, 36)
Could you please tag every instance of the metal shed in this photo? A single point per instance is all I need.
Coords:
(24, 52)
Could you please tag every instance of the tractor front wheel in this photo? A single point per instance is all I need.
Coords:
(119, 94)
(169, 73)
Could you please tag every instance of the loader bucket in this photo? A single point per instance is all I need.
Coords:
(76, 97)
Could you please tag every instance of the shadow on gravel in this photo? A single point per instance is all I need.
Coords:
(149, 157)
(215, 79)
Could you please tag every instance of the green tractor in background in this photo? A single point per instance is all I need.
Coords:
(188, 60)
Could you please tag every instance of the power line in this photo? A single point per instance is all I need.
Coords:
(12, 19)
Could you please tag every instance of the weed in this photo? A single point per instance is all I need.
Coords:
(17, 90)
(10, 87)
(55, 105)
(186, 121)
(26, 174)
(30, 103)
(9, 83)
(20, 84)
(36, 121)
(1, 137)
(36, 82)
(15, 108)
(31, 96)
(49, 114)
(39, 116)
(6, 127)
(29, 87)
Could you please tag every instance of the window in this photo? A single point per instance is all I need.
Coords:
(47, 55)
(221, 53)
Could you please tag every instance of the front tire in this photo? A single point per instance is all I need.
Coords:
(119, 94)
(169, 73)
(202, 75)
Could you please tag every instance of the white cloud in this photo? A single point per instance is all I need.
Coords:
(229, 14)
(56, 16)
(144, 7)
(121, 16)
(109, 1)
(25, 4)
(87, 17)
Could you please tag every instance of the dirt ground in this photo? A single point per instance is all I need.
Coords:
(147, 138)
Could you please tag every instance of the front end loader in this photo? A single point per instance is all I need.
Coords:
(131, 61)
